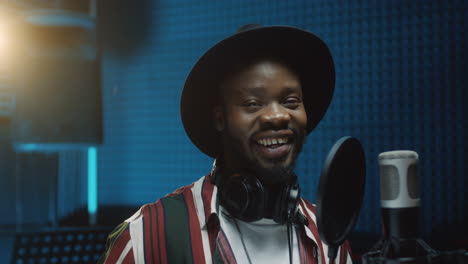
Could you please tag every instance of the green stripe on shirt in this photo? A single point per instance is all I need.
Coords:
(176, 220)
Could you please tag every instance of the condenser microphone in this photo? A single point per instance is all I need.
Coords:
(400, 201)
(399, 194)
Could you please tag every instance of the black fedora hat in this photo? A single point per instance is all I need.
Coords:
(307, 54)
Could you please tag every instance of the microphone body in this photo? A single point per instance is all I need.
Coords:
(399, 197)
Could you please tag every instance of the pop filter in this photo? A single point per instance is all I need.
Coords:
(340, 192)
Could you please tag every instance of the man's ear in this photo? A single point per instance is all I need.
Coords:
(218, 118)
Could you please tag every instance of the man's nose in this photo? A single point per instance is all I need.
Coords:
(275, 116)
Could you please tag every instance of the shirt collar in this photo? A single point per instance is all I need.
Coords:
(210, 203)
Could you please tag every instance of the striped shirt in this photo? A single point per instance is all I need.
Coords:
(183, 227)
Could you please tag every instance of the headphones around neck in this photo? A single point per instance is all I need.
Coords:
(245, 197)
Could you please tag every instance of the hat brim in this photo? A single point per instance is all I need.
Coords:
(305, 52)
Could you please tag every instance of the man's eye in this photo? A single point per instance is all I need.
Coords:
(292, 102)
(251, 104)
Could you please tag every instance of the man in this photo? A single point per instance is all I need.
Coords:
(248, 102)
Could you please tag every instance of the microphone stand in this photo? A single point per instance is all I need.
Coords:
(388, 251)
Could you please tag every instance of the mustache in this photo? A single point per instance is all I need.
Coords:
(295, 131)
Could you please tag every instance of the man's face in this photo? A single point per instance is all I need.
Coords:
(262, 119)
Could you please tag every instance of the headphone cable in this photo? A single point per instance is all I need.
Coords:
(289, 230)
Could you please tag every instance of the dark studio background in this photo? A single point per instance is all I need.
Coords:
(401, 84)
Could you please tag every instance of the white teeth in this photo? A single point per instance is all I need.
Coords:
(272, 141)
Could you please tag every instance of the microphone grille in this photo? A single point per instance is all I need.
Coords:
(389, 182)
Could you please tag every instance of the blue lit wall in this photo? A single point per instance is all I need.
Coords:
(401, 84)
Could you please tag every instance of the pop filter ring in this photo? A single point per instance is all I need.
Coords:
(338, 156)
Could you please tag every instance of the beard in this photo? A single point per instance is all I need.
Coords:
(280, 174)
(276, 175)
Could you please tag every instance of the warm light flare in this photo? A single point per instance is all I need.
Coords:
(10, 34)
(7, 35)
(3, 38)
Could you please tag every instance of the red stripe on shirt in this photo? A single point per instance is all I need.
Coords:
(314, 229)
(195, 233)
(345, 248)
(302, 252)
(118, 247)
(129, 258)
(225, 248)
(161, 233)
(155, 248)
(207, 195)
(147, 230)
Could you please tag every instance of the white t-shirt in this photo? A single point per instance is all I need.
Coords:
(265, 240)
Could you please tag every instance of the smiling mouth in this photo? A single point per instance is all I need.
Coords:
(273, 148)
(272, 142)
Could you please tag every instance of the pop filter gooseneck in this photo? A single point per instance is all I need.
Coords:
(340, 192)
